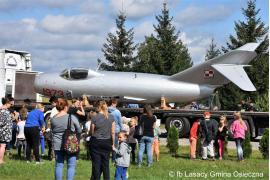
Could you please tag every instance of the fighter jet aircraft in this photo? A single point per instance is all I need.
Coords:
(194, 83)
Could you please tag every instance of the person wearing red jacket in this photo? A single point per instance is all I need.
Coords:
(193, 139)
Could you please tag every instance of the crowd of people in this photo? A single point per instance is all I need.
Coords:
(105, 134)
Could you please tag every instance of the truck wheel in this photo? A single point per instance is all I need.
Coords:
(181, 123)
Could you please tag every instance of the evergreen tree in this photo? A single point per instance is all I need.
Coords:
(251, 30)
(119, 48)
(172, 141)
(264, 144)
(150, 58)
(165, 53)
(247, 149)
(212, 52)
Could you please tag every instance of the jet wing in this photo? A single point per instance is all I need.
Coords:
(236, 74)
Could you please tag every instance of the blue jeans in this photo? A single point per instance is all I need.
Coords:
(59, 164)
(120, 173)
(148, 142)
(42, 145)
(239, 148)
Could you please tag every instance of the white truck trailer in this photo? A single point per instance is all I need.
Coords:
(16, 75)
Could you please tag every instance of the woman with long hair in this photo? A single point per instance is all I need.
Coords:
(5, 127)
(148, 122)
(101, 142)
(34, 123)
(238, 128)
(59, 124)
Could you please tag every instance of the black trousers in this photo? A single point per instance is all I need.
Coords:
(100, 150)
(32, 137)
(133, 148)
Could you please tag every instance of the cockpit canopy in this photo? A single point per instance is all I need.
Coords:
(74, 73)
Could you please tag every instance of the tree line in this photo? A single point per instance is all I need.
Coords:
(163, 52)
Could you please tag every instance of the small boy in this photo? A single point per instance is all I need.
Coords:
(155, 145)
(132, 142)
(193, 139)
(122, 157)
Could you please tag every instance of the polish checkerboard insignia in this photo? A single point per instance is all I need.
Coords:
(208, 74)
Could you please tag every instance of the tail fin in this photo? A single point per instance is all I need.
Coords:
(223, 69)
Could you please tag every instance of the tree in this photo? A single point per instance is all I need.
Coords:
(264, 144)
(150, 58)
(212, 52)
(247, 149)
(119, 48)
(172, 140)
(164, 53)
(250, 30)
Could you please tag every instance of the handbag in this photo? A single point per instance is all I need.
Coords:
(71, 141)
(138, 133)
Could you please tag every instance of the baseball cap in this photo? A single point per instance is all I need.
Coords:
(206, 113)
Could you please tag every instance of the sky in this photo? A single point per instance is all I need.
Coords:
(62, 34)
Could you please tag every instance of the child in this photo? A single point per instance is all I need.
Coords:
(122, 157)
(87, 125)
(193, 139)
(238, 129)
(125, 126)
(208, 131)
(48, 134)
(21, 142)
(221, 135)
(131, 140)
(155, 146)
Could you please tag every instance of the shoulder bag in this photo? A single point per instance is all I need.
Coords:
(138, 133)
(71, 141)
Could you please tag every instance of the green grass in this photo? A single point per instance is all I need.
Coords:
(167, 168)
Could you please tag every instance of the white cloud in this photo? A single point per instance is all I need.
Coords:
(54, 60)
(93, 7)
(7, 5)
(52, 51)
(75, 24)
(197, 46)
(136, 9)
(144, 29)
(194, 15)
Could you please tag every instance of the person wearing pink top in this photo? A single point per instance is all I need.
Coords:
(238, 129)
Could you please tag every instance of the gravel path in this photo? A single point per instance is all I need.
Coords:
(231, 144)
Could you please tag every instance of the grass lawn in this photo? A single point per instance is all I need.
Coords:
(167, 168)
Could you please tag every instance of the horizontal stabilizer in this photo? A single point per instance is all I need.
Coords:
(249, 47)
(236, 74)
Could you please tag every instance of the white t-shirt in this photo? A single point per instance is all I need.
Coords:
(53, 112)
(87, 126)
(20, 134)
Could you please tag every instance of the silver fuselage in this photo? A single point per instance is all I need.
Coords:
(149, 87)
